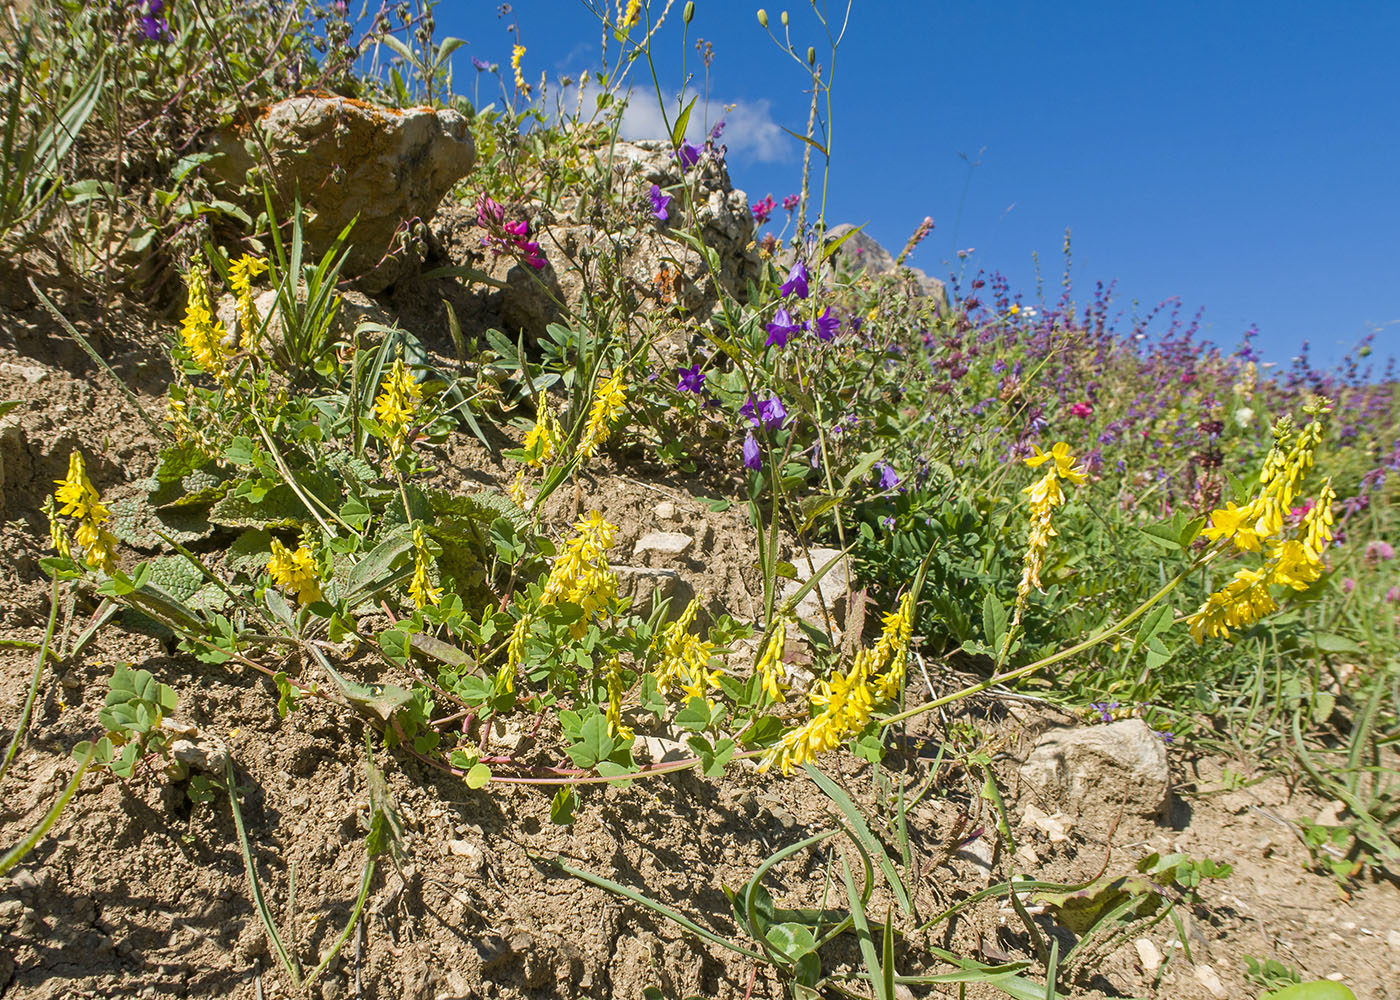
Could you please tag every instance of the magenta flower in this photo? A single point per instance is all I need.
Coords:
(827, 325)
(1379, 551)
(1348, 585)
(692, 379)
(796, 281)
(1082, 409)
(489, 213)
(790, 203)
(660, 204)
(762, 209)
(781, 328)
(752, 459)
(1393, 595)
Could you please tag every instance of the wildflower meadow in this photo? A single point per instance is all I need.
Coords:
(582, 577)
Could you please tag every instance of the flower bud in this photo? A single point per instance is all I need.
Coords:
(762, 18)
(811, 55)
(783, 18)
(688, 13)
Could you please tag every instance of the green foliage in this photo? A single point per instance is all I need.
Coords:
(135, 705)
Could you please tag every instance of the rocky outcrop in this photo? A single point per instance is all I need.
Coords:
(380, 167)
(862, 253)
(631, 257)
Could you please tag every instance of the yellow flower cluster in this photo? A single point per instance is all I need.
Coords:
(580, 575)
(609, 404)
(201, 332)
(846, 701)
(1258, 526)
(770, 668)
(295, 571)
(240, 278)
(1281, 479)
(397, 405)
(516, 54)
(615, 692)
(629, 17)
(1045, 496)
(421, 588)
(77, 498)
(685, 658)
(542, 441)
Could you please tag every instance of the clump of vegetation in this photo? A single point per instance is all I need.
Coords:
(1117, 525)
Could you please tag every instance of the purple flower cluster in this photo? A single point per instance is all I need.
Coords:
(763, 209)
(151, 16)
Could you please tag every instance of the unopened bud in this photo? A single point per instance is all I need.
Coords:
(762, 18)
(688, 13)
(783, 18)
(811, 55)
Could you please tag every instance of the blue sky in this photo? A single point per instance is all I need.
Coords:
(1242, 157)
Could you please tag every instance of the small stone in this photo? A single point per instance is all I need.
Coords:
(1149, 955)
(1206, 976)
(668, 543)
(1393, 939)
(1055, 827)
(1026, 858)
(665, 511)
(466, 849)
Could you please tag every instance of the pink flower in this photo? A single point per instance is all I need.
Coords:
(1348, 585)
(1379, 551)
(763, 209)
(1082, 409)
(1393, 595)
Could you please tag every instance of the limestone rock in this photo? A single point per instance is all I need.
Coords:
(1092, 772)
(833, 588)
(663, 543)
(348, 158)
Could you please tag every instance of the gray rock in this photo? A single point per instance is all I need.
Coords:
(833, 588)
(664, 543)
(348, 158)
(862, 253)
(1090, 773)
(642, 582)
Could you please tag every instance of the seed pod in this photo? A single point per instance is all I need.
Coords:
(762, 18)
(688, 14)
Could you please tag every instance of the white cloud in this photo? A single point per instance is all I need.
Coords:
(749, 130)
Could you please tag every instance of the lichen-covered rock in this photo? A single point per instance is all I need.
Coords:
(1094, 771)
(350, 159)
(627, 256)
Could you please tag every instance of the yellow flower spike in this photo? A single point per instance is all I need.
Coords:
(421, 588)
(614, 714)
(609, 405)
(516, 54)
(397, 405)
(240, 278)
(542, 441)
(891, 659)
(295, 571)
(770, 667)
(201, 332)
(77, 498)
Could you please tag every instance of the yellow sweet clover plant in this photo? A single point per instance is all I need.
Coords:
(396, 406)
(295, 571)
(1294, 560)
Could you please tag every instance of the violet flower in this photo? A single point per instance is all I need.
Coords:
(688, 156)
(781, 328)
(827, 325)
(752, 460)
(796, 281)
(660, 204)
(482, 66)
(889, 479)
(768, 414)
(692, 379)
(153, 24)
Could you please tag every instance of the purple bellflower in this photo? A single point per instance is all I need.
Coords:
(752, 459)
(688, 155)
(827, 325)
(796, 281)
(660, 204)
(889, 479)
(781, 328)
(768, 414)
